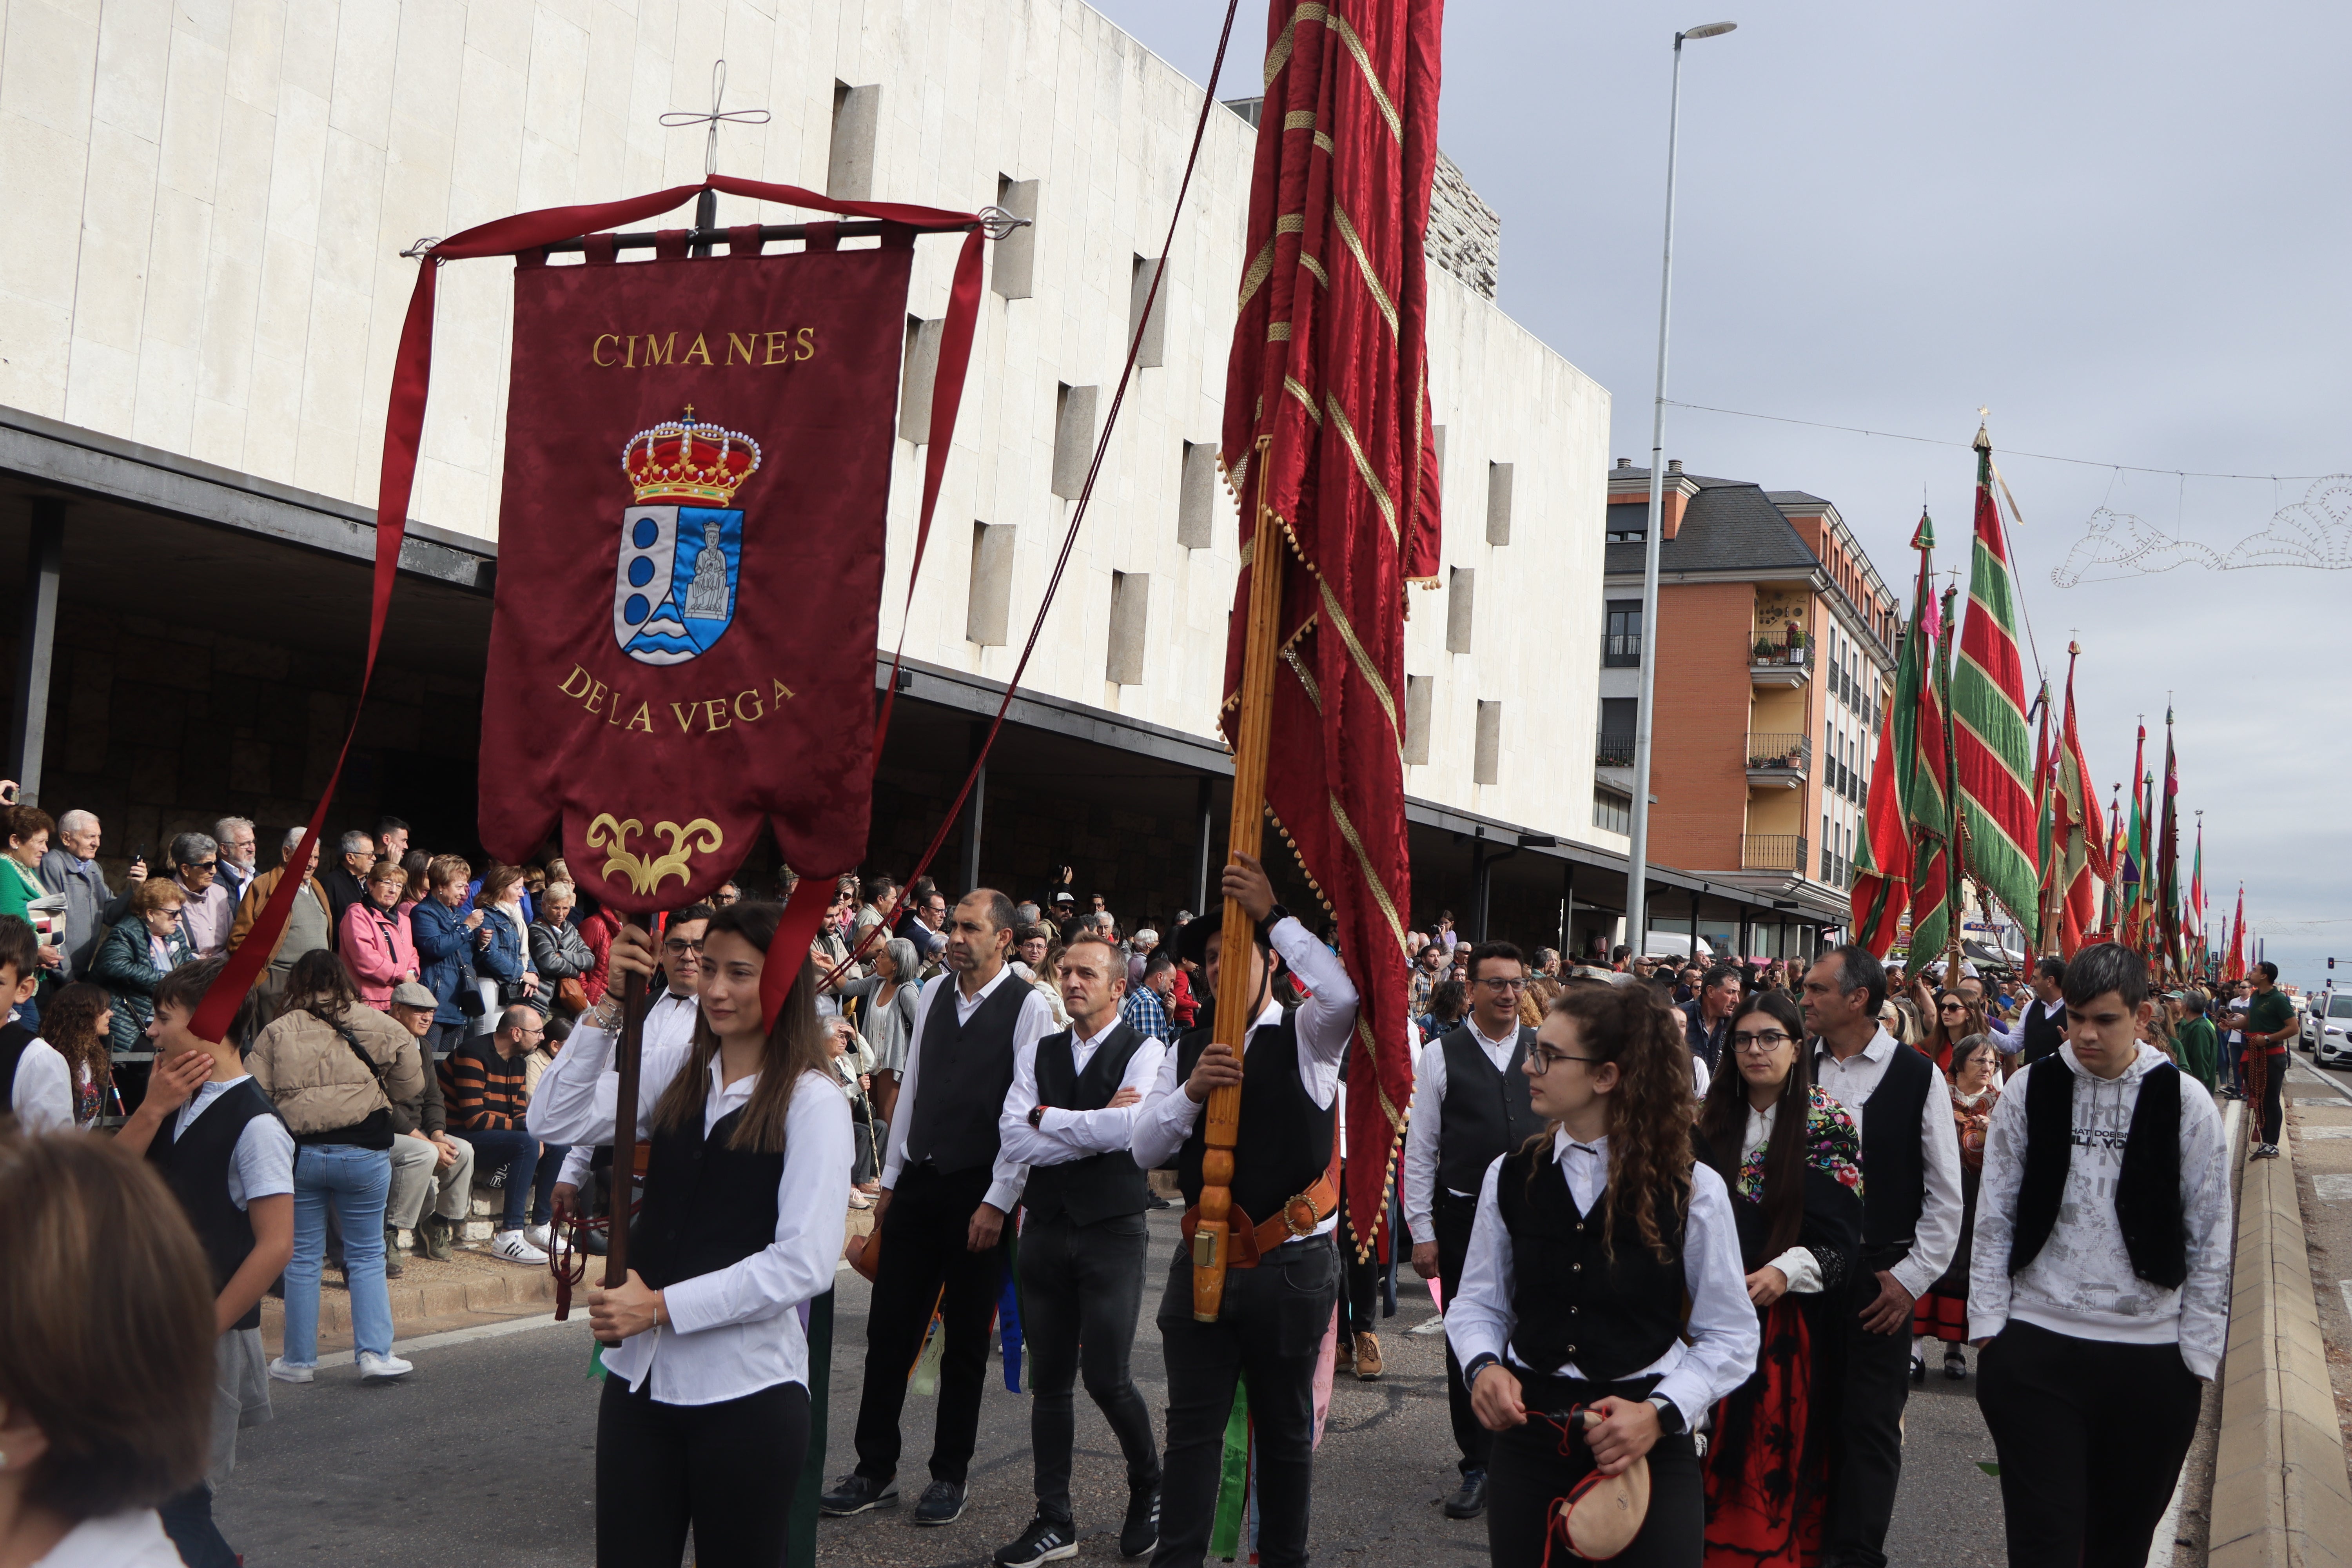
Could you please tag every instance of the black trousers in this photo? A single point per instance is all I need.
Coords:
(1536, 1465)
(1360, 1282)
(188, 1520)
(923, 1254)
(2091, 1436)
(1452, 1218)
(1081, 1287)
(727, 1470)
(2273, 1070)
(1874, 1371)
(1269, 1329)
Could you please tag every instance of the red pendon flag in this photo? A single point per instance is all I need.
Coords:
(1330, 359)
(690, 543)
(1882, 883)
(2079, 837)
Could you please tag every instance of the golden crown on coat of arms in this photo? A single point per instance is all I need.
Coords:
(690, 461)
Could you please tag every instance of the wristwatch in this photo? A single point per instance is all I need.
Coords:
(1478, 1363)
(1036, 1115)
(1670, 1416)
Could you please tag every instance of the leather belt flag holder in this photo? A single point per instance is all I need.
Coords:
(698, 466)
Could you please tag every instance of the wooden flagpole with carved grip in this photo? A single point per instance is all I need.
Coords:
(1253, 731)
(628, 1055)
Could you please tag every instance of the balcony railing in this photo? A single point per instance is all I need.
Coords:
(1790, 756)
(1621, 650)
(1778, 647)
(1614, 751)
(1773, 852)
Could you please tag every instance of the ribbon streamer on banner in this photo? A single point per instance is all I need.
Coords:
(404, 429)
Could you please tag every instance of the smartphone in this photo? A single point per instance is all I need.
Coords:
(7, 792)
(139, 853)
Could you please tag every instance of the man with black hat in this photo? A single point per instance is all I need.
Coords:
(1069, 1117)
(1283, 1267)
(947, 1187)
(1470, 1107)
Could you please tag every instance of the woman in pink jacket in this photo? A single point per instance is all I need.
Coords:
(376, 941)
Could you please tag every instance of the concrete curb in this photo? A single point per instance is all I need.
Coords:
(2281, 1499)
(514, 1286)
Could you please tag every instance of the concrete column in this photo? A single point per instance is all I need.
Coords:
(36, 635)
(1568, 911)
(1204, 809)
(974, 811)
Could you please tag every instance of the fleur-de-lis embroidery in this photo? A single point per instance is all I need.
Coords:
(700, 836)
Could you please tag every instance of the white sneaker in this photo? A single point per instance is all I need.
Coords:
(285, 1372)
(515, 1247)
(537, 1235)
(374, 1366)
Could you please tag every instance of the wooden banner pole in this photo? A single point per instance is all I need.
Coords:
(1235, 993)
(625, 1131)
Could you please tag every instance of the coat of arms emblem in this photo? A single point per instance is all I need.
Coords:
(682, 543)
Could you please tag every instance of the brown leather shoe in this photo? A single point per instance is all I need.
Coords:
(1368, 1357)
(1343, 1353)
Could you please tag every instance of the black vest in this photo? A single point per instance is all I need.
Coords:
(1893, 1170)
(2147, 1188)
(967, 1067)
(1570, 1302)
(2042, 1035)
(1099, 1186)
(706, 1205)
(1285, 1143)
(1484, 1111)
(196, 1166)
(13, 1038)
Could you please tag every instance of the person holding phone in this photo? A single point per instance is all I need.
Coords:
(71, 868)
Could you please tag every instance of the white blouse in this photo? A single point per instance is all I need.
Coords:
(1803, 1270)
(734, 1331)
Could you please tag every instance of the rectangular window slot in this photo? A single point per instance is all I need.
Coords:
(1486, 765)
(1196, 496)
(1461, 592)
(1499, 503)
(991, 608)
(1074, 438)
(1151, 352)
(849, 167)
(1417, 692)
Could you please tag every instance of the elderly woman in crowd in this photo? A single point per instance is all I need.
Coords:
(29, 839)
(207, 911)
(148, 944)
(376, 940)
(501, 955)
(561, 954)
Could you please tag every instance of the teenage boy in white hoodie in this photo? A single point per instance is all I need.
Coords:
(2099, 1286)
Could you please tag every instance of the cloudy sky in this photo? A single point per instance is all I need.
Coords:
(2121, 228)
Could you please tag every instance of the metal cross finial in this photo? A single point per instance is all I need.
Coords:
(681, 117)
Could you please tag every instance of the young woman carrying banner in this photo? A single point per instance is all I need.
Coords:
(1586, 1241)
(706, 1405)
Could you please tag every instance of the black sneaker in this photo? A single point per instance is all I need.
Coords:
(1140, 1533)
(1044, 1540)
(1470, 1500)
(855, 1493)
(943, 1503)
(1919, 1369)
(1955, 1364)
(391, 1264)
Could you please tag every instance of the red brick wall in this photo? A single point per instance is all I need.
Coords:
(1699, 767)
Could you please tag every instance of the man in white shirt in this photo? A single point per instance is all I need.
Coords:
(1069, 1117)
(1910, 1228)
(1470, 1107)
(1283, 1267)
(948, 1184)
(669, 1021)
(2099, 1284)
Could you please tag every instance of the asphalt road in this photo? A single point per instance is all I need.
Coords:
(484, 1455)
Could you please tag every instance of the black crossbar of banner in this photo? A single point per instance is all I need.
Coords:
(646, 240)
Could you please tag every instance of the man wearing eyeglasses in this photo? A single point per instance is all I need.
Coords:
(207, 912)
(1470, 1106)
(669, 1021)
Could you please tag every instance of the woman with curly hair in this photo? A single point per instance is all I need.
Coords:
(1793, 1159)
(77, 1026)
(1569, 1321)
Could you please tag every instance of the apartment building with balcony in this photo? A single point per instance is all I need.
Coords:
(1776, 646)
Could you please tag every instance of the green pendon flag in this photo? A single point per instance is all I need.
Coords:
(1992, 749)
(1917, 736)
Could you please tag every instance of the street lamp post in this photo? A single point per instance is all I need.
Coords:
(1637, 869)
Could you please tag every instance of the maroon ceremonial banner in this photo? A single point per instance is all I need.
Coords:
(690, 542)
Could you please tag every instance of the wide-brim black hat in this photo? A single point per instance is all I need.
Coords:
(1192, 938)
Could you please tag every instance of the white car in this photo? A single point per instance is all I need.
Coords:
(2333, 1046)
